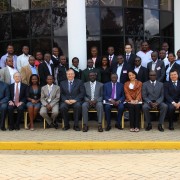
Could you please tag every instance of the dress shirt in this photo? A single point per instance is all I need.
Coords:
(50, 87)
(178, 61)
(153, 65)
(128, 55)
(22, 60)
(49, 67)
(94, 61)
(19, 86)
(153, 82)
(111, 57)
(136, 69)
(168, 71)
(90, 68)
(75, 68)
(33, 69)
(12, 71)
(3, 61)
(174, 82)
(118, 72)
(92, 86)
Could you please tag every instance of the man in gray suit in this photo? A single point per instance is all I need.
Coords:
(153, 96)
(93, 99)
(50, 95)
(158, 66)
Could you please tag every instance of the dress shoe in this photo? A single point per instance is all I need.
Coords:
(118, 126)
(55, 125)
(10, 129)
(3, 129)
(17, 129)
(160, 128)
(66, 128)
(149, 127)
(108, 128)
(171, 128)
(100, 129)
(76, 128)
(50, 125)
(85, 128)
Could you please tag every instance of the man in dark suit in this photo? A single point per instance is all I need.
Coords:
(111, 57)
(158, 66)
(93, 99)
(114, 97)
(153, 96)
(172, 96)
(17, 101)
(121, 69)
(94, 56)
(4, 98)
(90, 68)
(55, 56)
(129, 57)
(46, 68)
(72, 94)
(142, 73)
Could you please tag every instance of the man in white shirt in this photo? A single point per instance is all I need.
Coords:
(165, 46)
(22, 60)
(162, 57)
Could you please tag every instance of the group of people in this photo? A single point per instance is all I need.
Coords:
(46, 84)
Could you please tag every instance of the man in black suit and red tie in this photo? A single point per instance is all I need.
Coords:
(17, 101)
(172, 96)
(112, 58)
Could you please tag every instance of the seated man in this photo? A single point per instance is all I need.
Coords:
(50, 95)
(17, 101)
(172, 96)
(4, 98)
(114, 96)
(153, 96)
(93, 99)
(72, 94)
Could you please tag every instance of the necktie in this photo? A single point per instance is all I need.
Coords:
(113, 91)
(92, 91)
(153, 84)
(174, 84)
(127, 57)
(110, 60)
(16, 99)
(70, 86)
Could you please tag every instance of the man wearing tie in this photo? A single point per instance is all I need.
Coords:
(114, 97)
(93, 99)
(17, 101)
(172, 96)
(112, 58)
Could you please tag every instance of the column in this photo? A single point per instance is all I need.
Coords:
(76, 22)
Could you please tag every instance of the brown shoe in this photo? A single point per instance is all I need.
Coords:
(100, 129)
(85, 128)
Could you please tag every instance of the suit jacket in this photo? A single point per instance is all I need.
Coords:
(119, 91)
(130, 61)
(4, 93)
(135, 93)
(5, 75)
(159, 68)
(61, 76)
(44, 72)
(85, 74)
(171, 93)
(77, 74)
(26, 74)
(105, 74)
(22, 94)
(175, 67)
(142, 74)
(98, 62)
(113, 61)
(55, 61)
(98, 93)
(55, 95)
(150, 93)
(77, 93)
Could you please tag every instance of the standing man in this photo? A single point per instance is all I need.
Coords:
(111, 57)
(50, 95)
(162, 57)
(93, 99)
(46, 68)
(4, 98)
(165, 46)
(153, 96)
(17, 101)
(23, 59)
(39, 58)
(145, 54)
(10, 52)
(55, 56)
(94, 56)
(72, 94)
(114, 96)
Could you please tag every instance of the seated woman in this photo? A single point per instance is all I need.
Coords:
(77, 71)
(33, 97)
(132, 89)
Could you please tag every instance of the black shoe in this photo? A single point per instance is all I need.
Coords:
(118, 126)
(66, 128)
(17, 129)
(171, 128)
(108, 128)
(11, 129)
(100, 129)
(55, 125)
(85, 128)
(76, 128)
(160, 128)
(149, 127)
(3, 129)
(50, 125)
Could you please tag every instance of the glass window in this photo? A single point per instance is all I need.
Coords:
(154, 43)
(20, 25)
(154, 4)
(41, 23)
(111, 21)
(40, 4)
(170, 41)
(62, 44)
(5, 27)
(3, 47)
(93, 41)
(19, 44)
(134, 22)
(59, 3)
(166, 24)
(111, 2)
(151, 22)
(133, 3)
(92, 21)
(92, 2)
(59, 20)
(19, 5)
(166, 5)
(4, 5)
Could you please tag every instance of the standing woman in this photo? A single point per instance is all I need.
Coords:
(105, 70)
(75, 68)
(33, 97)
(132, 89)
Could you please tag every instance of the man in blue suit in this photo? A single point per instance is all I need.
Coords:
(172, 96)
(114, 97)
(4, 98)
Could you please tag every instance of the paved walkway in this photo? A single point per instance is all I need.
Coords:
(101, 165)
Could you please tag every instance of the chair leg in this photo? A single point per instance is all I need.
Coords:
(25, 120)
(62, 123)
(142, 120)
(122, 121)
(103, 121)
(44, 123)
(6, 122)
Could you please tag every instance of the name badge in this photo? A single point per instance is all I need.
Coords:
(158, 68)
(125, 71)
